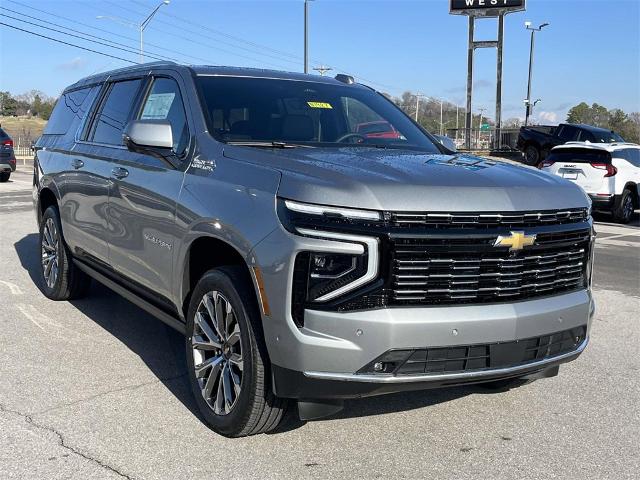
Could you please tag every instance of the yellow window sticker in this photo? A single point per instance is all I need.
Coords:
(320, 105)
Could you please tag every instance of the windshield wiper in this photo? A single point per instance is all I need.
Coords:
(269, 144)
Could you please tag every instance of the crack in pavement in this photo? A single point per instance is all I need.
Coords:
(61, 441)
(107, 392)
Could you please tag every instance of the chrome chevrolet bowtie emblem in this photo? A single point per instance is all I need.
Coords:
(516, 241)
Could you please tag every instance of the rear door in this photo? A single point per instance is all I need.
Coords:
(589, 168)
(145, 191)
(85, 202)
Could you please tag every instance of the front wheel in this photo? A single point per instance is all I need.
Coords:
(4, 176)
(624, 209)
(226, 356)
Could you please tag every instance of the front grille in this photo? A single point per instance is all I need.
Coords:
(470, 358)
(467, 268)
(487, 220)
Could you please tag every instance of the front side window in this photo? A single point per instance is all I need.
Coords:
(259, 110)
(115, 112)
(164, 102)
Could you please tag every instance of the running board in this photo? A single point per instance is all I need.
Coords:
(132, 297)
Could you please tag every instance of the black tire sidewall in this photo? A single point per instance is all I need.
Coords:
(53, 292)
(527, 158)
(4, 177)
(619, 212)
(232, 423)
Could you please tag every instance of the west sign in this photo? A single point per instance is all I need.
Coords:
(486, 8)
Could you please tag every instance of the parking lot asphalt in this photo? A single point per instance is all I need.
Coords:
(96, 388)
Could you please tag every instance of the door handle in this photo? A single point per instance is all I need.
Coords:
(120, 172)
(76, 163)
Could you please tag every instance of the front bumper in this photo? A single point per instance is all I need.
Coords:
(321, 360)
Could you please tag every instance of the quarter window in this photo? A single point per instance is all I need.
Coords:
(69, 111)
(164, 102)
(115, 112)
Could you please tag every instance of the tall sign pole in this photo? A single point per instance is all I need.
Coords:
(485, 8)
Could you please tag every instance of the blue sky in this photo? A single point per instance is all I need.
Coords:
(590, 52)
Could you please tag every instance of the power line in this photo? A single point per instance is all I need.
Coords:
(66, 43)
(103, 30)
(116, 45)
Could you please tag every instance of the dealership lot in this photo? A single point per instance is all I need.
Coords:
(96, 388)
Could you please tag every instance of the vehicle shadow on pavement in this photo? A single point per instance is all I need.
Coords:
(162, 350)
(160, 347)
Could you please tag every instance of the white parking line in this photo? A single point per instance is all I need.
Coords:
(13, 288)
(24, 309)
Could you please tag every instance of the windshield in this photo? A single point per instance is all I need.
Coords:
(245, 110)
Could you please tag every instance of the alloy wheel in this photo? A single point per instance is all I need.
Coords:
(627, 208)
(217, 352)
(49, 252)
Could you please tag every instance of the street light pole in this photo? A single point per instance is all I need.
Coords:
(140, 26)
(144, 24)
(533, 39)
(418, 95)
(306, 36)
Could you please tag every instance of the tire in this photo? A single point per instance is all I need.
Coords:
(531, 155)
(61, 278)
(4, 176)
(623, 211)
(233, 390)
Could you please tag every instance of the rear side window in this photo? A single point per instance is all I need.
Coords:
(569, 133)
(115, 112)
(579, 156)
(631, 155)
(164, 102)
(70, 110)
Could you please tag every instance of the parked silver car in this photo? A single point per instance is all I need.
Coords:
(305, 262)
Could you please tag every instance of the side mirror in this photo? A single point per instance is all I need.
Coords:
(447, 142)
(148, 136)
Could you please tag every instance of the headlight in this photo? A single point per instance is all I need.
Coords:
(348, 262)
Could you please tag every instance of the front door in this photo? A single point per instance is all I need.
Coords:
(142, 204)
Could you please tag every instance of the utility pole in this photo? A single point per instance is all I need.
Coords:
(306, 36)
(418, 95)
(482, 110)
(527, 101)
(441, 124)
(322, 69)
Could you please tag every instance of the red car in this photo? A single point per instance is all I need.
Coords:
(379, 129)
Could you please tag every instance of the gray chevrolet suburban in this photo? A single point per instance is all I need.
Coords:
(306, 261)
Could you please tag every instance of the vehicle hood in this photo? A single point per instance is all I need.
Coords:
(392, 179)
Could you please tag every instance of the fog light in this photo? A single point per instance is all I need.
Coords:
(378, 367)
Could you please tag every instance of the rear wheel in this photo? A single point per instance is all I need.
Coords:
(531, 155)
(61, 279)
(229, 369)
(4, 176)
(625, 207)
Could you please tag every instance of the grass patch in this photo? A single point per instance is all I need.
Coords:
(23, 129)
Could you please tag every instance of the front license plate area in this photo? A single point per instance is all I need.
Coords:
(506, 354)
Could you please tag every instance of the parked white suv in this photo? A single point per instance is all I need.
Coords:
(609, 173)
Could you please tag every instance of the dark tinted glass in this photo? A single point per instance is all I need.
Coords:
(579, 156)
(606, 137)
(69, 111)
(568, 133)
(115, 112)
(631, 155)
(164, 102)
(3, 134)
(310, 113)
